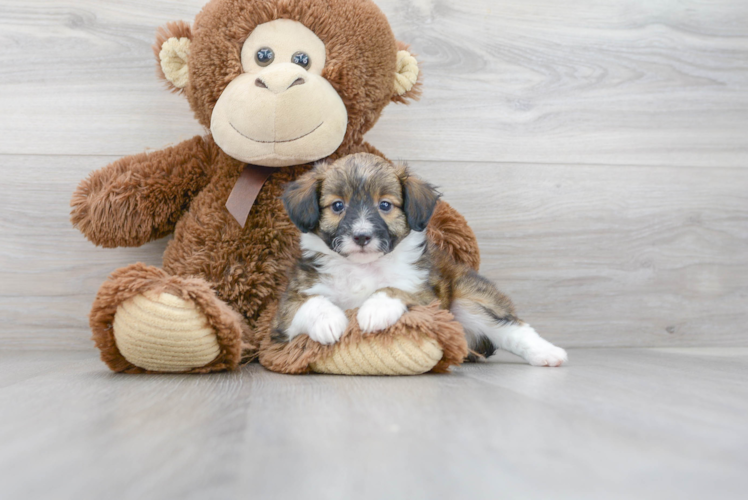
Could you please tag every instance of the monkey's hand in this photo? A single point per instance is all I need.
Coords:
(140, 198)
(449, 231)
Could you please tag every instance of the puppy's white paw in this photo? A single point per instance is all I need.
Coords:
(319, 318)
(379, 311)
(547, 355)
(329, 326)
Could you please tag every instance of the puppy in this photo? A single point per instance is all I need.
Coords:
(364, 245)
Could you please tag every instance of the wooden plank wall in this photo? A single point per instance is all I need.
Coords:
(599, 149)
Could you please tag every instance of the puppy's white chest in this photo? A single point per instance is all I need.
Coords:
(348, 284)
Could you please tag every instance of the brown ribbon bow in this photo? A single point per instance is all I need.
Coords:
(245, 191)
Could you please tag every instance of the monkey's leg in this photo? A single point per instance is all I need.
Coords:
(145, 320)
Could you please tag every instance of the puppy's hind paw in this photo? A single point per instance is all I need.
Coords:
(549, 355)
(379, 312)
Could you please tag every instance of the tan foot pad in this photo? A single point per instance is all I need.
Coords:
(161, 332)
(400, 356)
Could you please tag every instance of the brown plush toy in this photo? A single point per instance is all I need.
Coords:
(280, 84)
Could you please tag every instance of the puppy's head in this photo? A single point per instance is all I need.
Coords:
(361, 205)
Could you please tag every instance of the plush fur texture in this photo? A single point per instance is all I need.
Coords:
(239, 272)
(449, 232)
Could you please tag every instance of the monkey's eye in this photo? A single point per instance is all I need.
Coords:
(301, 59)
(385, 206)
(337, 207)
(264, 56)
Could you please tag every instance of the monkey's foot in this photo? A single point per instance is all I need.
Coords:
(401, 355)
(163, 333)
(145, 320)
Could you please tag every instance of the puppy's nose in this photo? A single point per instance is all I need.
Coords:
(362, 239)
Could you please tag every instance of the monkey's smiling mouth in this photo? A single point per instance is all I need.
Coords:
(275, 142)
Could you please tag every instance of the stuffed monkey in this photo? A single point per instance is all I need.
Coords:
(279, 84)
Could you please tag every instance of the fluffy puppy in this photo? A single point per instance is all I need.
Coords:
(364, 246)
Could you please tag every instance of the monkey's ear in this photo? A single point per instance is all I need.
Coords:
(172, 50)
(300, 200)
(419, 200)
(407, 76)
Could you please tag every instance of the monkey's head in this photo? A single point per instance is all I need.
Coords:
(287, 82)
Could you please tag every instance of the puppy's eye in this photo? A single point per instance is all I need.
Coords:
(301, 59)
(385, 206)
(337, 207)
(264, 56)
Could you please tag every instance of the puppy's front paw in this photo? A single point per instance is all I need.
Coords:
(329, 326)
(379, 311)
(319, 318)
(547, 355)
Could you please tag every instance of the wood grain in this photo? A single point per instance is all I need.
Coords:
(597, 148)
(593, 256)
(621, 256)
(628, 82)
(614, 424)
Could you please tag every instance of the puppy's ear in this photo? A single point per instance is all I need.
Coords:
(419, 200)
(301, 201)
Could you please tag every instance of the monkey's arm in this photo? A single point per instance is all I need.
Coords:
(449, 231)
(140, 198)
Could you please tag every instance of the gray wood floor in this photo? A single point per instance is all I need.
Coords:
(616, 423)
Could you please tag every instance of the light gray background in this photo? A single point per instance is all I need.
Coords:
(598, 149)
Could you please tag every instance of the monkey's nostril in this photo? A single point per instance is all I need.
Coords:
(260, 84)
(298, 81)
